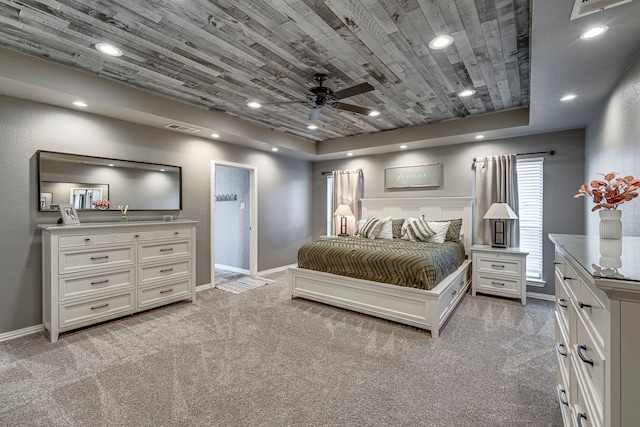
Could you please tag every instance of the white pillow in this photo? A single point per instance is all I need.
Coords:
(440, 229)
(420, 230)
(387, 229)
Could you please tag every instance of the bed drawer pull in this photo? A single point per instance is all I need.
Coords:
(166, 270)
(559, 347)
(167, 291)
(497, 266)
(562, 393)
(96, 258)
(497, 284)
(562, 302)
(101, 282)
(99, 306)
(579, 348)
(166, 249)
(583, 305)
(579, 418)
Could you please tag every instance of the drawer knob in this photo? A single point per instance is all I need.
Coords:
(101, 282)
(562, 302)
(497, 284)
(97, 258)
(454, 292)
(87, 239)
(582, 357)
(579, 418)
(137, 235)
(567, 278)
(176, 233)
(583, 305)
(562, 396)
(166, 291)
(500, 266)
(166, 249)
(99, 306)
(559, 347)
(166, 270)
(557, 262)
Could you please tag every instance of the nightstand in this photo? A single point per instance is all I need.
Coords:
(499, 271)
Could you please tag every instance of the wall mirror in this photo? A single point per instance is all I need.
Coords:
(83, 180)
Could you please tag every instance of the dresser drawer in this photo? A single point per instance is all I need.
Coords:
(563, 351)
(90, 311)
(151, 273)
(563, 305)
(174, 233)
(72, 287)
(159, 294)
(135, 236)
(84, 240)
(572, 281)
(498, 263)
(495, 284)
(593, 311)
(589, 363)
(583, 412)
(157, 251)
(98, 258)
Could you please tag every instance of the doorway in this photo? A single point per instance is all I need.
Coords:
(233, 221)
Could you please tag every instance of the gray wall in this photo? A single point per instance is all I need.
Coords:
(613, 144)
(26, 127)
(562, 176)
(232, 217)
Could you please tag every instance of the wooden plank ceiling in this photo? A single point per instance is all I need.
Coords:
(219, 54)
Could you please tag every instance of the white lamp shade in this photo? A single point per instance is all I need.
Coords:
(343, 210)
(500, 211)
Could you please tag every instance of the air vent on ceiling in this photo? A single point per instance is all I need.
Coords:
(586, 7)
(181, 128)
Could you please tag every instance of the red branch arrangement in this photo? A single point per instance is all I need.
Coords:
(611, 192)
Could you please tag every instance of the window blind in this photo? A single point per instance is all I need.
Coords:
(530, 179)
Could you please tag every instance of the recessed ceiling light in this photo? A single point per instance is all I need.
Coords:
(110, 164)
(466, 92)
(254, 104)
(274, 149)
(569, 97)
(79, 104)
(349, 154)
(374, 113)
(215, 135)
(441, 42)
(403, 147)
(594, 32)
(108, 49)
(312, 127)
(161, 170)
(479, 136)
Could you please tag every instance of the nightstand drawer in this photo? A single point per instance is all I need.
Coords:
(498, 284)
(502, 264)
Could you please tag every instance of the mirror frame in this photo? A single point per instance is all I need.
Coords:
(105, 160)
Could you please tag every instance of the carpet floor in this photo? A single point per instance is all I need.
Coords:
(261, 358)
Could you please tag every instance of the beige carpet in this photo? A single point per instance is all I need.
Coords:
(262, 359)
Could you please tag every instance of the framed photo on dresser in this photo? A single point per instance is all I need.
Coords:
(69, 214)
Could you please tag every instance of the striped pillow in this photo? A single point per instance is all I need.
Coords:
(419, 230)
(371, 227)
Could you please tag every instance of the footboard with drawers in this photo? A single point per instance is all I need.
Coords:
(97, 272)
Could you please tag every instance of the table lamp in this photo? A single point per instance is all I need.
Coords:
(343, 211)
(499, 212)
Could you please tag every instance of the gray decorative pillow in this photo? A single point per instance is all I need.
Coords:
(371, 227)
(419, 231)
(396, 227)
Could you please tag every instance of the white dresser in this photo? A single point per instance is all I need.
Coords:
(598, 330)
(96, 272)
(499, 271)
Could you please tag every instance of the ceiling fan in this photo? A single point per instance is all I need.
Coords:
(321, 96)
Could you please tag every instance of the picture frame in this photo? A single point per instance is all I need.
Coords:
(414, 176)
(69, 214)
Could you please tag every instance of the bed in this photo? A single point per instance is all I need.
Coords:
(420, 303)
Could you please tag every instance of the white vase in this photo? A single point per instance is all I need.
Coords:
(610, 224)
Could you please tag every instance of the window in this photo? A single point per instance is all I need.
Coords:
(329, 203)
(530, 214)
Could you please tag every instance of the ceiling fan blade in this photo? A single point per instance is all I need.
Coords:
(286, 102)
(315, 113)
(353, 91)
(352, 108)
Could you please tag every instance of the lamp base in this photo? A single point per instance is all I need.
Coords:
(495, 245)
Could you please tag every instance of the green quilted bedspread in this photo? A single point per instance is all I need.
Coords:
(394, 261)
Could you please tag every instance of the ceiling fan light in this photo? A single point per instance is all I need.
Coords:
(466, 92)
(569, 97)
(374, 113)
(215, 135)
(441, 42)
(80, 104)
(253, 104)
(274, 149)
(108, 49)
(479, 136)
(594, 32)
(312, 127)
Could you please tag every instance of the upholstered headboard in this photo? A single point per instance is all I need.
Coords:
(433, 208)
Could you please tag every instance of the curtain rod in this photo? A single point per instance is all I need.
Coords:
(326, 173)
(552, 153)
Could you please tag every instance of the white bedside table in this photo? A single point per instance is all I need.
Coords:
(499, 271)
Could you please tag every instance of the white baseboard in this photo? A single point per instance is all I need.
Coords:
(20, 333)
(231, 268)
(537, 295)
(276, 270)
(204, 287)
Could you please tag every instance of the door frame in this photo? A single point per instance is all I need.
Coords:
(253, 213)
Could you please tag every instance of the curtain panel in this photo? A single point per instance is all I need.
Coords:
(347, 189)
(496, 181)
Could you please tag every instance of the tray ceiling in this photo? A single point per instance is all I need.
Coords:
(218, 55)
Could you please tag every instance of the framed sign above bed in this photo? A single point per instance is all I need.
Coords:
(416, 176)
